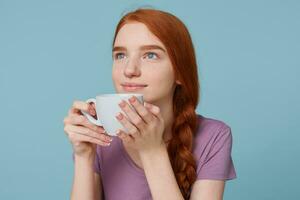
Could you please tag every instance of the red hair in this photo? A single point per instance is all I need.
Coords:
(177, 40)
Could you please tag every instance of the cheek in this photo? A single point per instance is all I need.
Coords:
(161, 79)
(116, 74)
(162, 75)
(116, 77)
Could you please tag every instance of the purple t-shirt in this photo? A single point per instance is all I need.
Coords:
(123, 179)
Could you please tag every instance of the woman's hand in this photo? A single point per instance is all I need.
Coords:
(84, 135)
(145, 125)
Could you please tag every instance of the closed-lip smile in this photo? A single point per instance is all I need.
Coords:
(133, 86)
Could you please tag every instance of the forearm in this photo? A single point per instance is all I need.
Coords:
(83, 183)
(160, 175)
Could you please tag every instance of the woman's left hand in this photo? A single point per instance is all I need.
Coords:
(145, 125)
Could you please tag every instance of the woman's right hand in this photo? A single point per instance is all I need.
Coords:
(84, 135)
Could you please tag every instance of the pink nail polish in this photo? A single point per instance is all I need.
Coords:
(122, 104)
(119, 116)
(132, 99)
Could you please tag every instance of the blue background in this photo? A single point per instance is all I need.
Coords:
(53, 52)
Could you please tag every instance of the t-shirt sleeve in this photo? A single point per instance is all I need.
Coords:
(218, 164)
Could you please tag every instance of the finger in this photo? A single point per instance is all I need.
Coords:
(87, 132)
(128, 125)
(155, 110)
(93, 109)
(74, 111)
(82, 120)
(141, 110)
(74, 136)
(124, 136)
(81, 105)
(132, 115)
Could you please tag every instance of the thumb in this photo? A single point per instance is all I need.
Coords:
(154, 109)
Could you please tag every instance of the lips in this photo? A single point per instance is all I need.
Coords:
(133, 86)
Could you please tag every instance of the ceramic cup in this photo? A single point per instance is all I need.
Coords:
(107, 108)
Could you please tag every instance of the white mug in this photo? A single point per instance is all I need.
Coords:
(107, 108)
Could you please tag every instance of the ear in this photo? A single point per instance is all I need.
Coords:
(178, 82)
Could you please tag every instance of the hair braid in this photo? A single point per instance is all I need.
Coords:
(180, 146)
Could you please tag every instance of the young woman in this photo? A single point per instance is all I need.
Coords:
(170, 151)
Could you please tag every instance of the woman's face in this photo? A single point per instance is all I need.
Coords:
(140, 58)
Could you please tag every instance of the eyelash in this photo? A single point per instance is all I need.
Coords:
(117, 54)
(152, 53)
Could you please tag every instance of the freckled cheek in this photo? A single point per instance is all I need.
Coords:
(160, 75)
(116, 76)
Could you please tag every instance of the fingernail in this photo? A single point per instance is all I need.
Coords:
(132, 99)
(107, 144)
(100, 130)
(122, 104)
(119, 116)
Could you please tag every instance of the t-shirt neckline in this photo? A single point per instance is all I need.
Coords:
(128, 158)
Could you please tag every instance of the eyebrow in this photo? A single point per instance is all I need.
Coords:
(144, 47)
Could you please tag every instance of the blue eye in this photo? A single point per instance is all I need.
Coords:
(151, 55)
(119, 56)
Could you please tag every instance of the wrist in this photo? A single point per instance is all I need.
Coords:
(87, 157)
(151, 153)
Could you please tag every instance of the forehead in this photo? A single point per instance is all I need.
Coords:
(135, 35)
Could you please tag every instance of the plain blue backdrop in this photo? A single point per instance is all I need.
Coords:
(53, 52)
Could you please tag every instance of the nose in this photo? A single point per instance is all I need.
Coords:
(132, 67)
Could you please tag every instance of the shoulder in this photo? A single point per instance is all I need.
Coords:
(209, 127)
(209, 133)
(212, 150)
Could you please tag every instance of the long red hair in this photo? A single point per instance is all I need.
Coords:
(177, 40)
